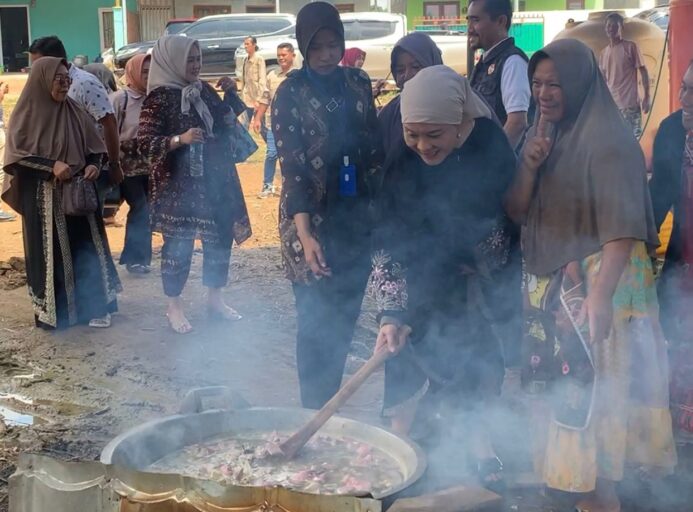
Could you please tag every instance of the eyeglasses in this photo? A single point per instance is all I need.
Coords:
(63, 80)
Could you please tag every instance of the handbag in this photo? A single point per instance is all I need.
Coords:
(242, 144)
(79, 197)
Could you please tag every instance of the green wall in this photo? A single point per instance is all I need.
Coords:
(76, 22)
(558, 5)
(415, 9)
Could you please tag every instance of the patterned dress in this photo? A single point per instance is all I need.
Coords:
(70, 273)
(311, 141)
(185, 207)
(630, 423)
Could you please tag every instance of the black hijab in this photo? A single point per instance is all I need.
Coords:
(425, 51)
(312, 18)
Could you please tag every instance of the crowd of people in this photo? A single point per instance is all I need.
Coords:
(504, 225)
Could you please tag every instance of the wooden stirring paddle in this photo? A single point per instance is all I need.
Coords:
(293, 445)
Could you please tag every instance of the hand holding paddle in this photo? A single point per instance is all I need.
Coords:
(293, 445)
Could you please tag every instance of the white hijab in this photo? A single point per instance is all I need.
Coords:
(169, 61)
(438, 95)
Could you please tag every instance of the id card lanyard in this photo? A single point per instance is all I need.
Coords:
(347, 169)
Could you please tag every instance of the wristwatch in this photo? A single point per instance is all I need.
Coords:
(175, 140)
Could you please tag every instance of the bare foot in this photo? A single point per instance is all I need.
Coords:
(177, 319)
(218, 308)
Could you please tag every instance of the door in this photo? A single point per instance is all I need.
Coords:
(153, 19)
(106, 29)
(14, 32)
(442, 10)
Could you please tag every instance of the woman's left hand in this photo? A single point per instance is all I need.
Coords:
(91, 172)
(598, 311)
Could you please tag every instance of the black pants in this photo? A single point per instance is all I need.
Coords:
(327, 312)
(176, 257)
(138, 233)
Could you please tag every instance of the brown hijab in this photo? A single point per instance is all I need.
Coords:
(593, 187)
(133, 73)
(43, 127)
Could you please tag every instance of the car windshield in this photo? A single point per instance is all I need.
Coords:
(177, 27)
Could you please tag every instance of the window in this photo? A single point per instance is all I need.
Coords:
(578, 5)
(358, 30)
(206, 29)
(200, 11)
(175, 28)
(345, 7)
(440, 10)
(257, 8)
(241, 27)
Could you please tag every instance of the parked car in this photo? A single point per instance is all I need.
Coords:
(219, 37)
(125, 53)
(375, 33)
(658, 15)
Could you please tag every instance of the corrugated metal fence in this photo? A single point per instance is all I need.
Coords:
(153, 17)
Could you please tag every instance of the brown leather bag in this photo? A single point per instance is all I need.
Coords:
(79, 197)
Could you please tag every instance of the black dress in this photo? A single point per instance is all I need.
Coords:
(70, 273)
(446, 263)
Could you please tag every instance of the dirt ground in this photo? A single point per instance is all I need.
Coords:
(68, 393)
(79, 388)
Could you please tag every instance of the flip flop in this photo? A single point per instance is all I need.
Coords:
(101, 323)
(136, 268)
(182, 328)
(485, 468)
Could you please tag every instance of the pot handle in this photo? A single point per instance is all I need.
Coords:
(199, 400)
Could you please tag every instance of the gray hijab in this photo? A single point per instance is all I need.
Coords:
(167, 69)
(438, 95)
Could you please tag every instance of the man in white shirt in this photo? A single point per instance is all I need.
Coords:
(285, 58)
(500, 76)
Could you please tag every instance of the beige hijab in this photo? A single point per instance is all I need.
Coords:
(169, 60)
(43, 127)
(438, 95)
(593, 187)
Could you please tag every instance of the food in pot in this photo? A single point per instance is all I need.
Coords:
(326, 465)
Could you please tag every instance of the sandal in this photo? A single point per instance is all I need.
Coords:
(183, 327)
(487, 468)
(101, 323)
(137, 268)
(227, 314)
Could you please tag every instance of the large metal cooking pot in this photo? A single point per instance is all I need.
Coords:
(147, 443)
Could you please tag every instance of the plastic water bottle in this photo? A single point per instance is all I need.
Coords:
(196, 160)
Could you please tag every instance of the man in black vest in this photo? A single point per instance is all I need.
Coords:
(501, 74)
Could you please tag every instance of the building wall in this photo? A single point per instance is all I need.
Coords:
(77, 24)
(184, 8)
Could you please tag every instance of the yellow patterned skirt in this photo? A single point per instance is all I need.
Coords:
(631, 423)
